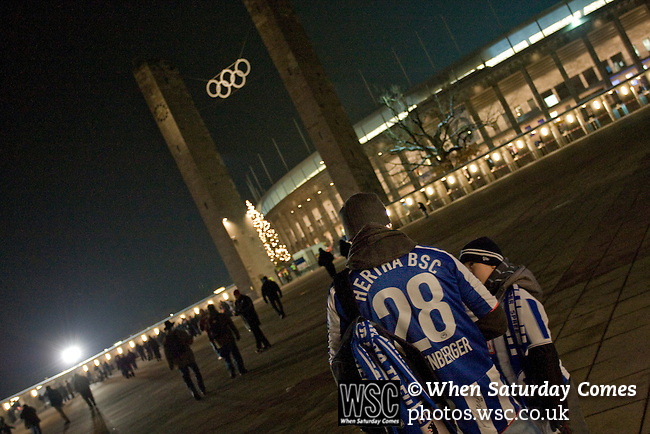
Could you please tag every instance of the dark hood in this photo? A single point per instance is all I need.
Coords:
(507, 274)
(375, 244)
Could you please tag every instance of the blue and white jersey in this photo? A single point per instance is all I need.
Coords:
(527, 328)
(430, 299)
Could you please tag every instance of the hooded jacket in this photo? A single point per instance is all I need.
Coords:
(526, 353)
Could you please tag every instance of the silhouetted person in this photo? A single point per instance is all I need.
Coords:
(178, 352)
(271, 292)
(69, 388)
(222, 333)
(140, 350)
(244, 307)
(124, 366)
(56, 401)
(31, 419)
(132, 359)
(155, 348)
(81, 384)
(4, 427)
(423, 208)
(326, 259)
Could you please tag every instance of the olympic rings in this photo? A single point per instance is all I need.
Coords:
(229, 79)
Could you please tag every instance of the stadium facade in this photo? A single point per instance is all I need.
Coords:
(565, 73)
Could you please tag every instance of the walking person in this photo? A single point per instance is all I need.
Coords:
(223, 335)
(526, 353)
(424, 295)
(56, 401)
(4, 427)
(81, 384)
(326, 259)
(245, 308)
(271, 292)
(423, 208)
(176, 346)
(32, 421)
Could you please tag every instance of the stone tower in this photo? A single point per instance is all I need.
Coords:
(222, 209)
(314, 97)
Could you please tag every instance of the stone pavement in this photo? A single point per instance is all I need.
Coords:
(578, 218)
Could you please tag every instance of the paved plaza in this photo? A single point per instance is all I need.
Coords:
(577, 218)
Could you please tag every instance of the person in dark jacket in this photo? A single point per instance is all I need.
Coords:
(526, 353)
(271, 292)
(176, 345)
(4, 427)
(223, 335)
(81, 384)
(326, 259)
(56, 401)
(32, 421)
(245, 308)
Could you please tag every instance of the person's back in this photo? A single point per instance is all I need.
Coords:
(270, 289)
(424, 295)
(220, 328)
(81, 384)
(526, 354)
(176, 345)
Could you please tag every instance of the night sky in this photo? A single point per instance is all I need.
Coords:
(100, 236)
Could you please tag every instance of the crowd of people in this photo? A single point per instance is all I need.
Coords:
(474, 320)
(176, 341)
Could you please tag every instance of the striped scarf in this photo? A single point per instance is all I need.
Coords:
(378, 359)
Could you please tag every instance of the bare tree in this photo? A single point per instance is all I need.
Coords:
(441, 135)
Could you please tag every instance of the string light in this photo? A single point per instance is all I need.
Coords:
(277, 252)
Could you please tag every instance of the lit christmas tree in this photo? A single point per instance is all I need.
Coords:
(276, 251)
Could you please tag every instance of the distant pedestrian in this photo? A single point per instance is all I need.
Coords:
(141, 352)
(124, 366)
(56, 401)
(423, 208)
(69, 388)
(132, 359)
(271, 292)
(245, 308)
(526, 353)
(155, 348)
(326, 259)
(178, 353)
(81, 384)
(31, 419)
(4, 427)
(223, 333)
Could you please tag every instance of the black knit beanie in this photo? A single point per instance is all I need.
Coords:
(482, 250)
(361, 209)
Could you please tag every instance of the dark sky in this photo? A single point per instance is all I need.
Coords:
(100, 236)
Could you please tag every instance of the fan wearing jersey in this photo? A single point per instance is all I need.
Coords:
(526, 353)
(426, 296)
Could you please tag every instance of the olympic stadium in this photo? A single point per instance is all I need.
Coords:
(556, 78)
